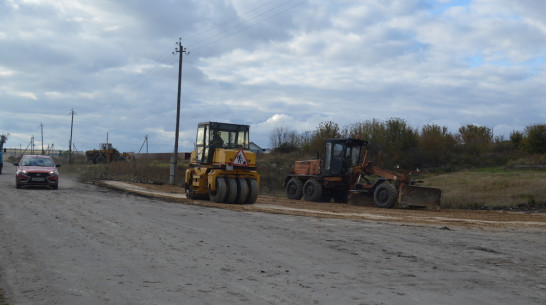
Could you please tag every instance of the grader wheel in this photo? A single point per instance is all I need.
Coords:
(312, 190)
(294, 189)
(385, 195)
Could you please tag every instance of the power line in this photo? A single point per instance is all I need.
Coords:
(234, 26)
(237, 18)
(141, 78)
(243, 26)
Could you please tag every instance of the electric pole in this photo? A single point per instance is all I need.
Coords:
(174, 160)
(145, 142)
(70, 141)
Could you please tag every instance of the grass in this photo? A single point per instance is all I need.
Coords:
(145, 171)
(492, 187)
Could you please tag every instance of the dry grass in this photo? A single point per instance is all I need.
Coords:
(491, 188)
(145, 171)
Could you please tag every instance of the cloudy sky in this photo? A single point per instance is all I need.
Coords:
(265, 63)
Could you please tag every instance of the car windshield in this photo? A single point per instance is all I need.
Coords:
(38, 162)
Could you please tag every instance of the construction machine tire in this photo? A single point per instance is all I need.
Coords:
(99, 159)
(231, 194)
(242, 190)
(188, 189)
(385, 195)
(252, 191)
(312, 190)
(220, 193)
(120, 158)
(189, 192)
(294, 189)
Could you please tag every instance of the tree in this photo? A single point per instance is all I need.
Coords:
(372, 131)
(516, 137)
(284, 140)
(435, 144)
(324, 131)
(400, 142)
(475, 139)
(535, 140)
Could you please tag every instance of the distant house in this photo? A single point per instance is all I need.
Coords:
(255, 148)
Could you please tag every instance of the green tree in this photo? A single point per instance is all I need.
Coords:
(535, 140)
(372, 131)
(400, 143)
(516, 137)
(475, 139)
(324, 131)
(436, 145)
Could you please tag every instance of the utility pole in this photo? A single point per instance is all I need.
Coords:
(70, 141)
(174, 160)
(145, 142)
(42, 128)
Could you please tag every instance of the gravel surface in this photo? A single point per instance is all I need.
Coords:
(87, 244)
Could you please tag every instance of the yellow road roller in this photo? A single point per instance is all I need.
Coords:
(222, 167)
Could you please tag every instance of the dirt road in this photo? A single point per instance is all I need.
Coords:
(365, 210)
(86, 244)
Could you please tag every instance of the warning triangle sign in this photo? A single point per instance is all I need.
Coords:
(240, 158)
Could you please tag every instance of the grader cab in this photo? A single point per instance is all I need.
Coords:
(222, 167)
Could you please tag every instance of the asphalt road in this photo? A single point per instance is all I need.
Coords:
(84, 244)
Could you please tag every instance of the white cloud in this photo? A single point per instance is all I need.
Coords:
(6, 72)
(267, 64)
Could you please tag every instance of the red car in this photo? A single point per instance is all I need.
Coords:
(37, 170)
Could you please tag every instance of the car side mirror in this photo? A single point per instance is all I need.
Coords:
(16, 164)
(57, 165)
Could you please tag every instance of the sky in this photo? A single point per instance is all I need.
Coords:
(264, 63)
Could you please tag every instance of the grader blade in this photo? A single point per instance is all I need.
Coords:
(421, 196)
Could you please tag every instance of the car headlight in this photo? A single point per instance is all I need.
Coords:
(53, 173)
(22, 173)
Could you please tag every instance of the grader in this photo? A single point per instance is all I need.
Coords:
(343, 172)
(107, 153)
(222, 167)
